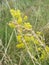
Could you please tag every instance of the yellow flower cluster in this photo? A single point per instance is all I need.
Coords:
(19, 38)
(39, 33)
(45, 54)
(24, 29)
(27, 38)
(20, 21)
(25, 17)
(15, 13)
(27, 26)
(20, 45)
(39, 49)
(47, 49)
(34, 40)
(12, 25)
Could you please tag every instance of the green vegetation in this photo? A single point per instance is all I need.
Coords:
(24, 32)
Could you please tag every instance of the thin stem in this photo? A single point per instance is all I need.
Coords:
(7, 46)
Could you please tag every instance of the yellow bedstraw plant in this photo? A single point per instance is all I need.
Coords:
(24, 29)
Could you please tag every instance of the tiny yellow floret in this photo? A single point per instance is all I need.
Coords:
(25, 17)
(19, 20)
(39, 33)
(27, 26)
(19, 38)
(27, 38)
(15, 13)
(12, 25)
(20, 45)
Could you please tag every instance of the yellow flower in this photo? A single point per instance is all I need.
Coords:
(39, 49)
(19, 20)
(12, 25)
(47, 48)
(43, 55)
(32, 38)
(18, 13)
(27, 38)
(19, 38)
(25, 17)
(15, 13)
(20, 45)
(27, 26)
(39, 33)
(36, 41)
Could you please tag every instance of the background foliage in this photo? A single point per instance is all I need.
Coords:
(38, 15)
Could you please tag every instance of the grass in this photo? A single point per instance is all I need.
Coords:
(38, 15)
